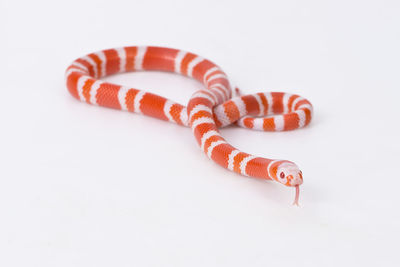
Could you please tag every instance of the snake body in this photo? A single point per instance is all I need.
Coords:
(207, 110)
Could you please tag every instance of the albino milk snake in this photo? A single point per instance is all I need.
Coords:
(207, 110)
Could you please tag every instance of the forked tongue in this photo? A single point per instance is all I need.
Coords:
(296, 198)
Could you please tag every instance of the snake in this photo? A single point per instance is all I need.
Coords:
(214, 106)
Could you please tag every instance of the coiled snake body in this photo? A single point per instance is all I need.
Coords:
(207, 110)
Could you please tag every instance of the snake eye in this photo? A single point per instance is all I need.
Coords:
(282, 175)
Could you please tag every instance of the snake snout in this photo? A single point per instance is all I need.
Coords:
(295, 179)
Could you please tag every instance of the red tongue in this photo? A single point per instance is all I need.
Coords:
(296, 198)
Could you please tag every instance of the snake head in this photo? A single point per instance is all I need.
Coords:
(286, 172)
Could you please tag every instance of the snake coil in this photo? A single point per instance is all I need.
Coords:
(207, 110)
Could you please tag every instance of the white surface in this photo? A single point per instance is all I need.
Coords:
(89, 186)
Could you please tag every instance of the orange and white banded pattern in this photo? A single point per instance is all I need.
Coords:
(207, 110)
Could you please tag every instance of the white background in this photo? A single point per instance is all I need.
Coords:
(90, 186)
